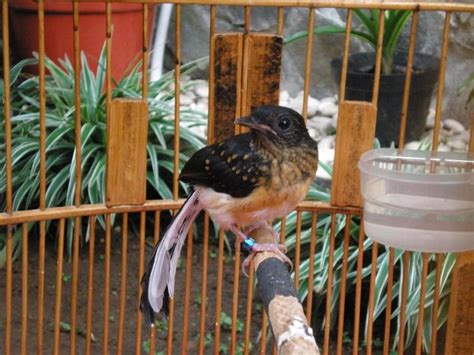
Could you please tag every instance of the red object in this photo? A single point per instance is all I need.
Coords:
(127, 32)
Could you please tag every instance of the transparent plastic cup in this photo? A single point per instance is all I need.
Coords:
(418, 200)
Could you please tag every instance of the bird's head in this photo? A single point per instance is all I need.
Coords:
(281, 125)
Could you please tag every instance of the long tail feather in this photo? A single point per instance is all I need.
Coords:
(158, 280)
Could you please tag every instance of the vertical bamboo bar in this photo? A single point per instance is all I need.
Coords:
(7, 112)
(42, 110)
(8, 291)
(421, 310)
(235, 299)
(248, 311)
(169, 340)
(435, 309)
(440, 91)
(123, 283)
(345, 56)
(105, 330)
(342, 302)
(156, 237)
(327, 313)
(388, 307)
(41, 254)
(307, 72)
(375, 248)
(212, 60)
(281, 12)
(360, 260)
(145, 56)
(297, 250)
(108, 51)
(24, 287)
(187, 292)
(90, 284)
(77, 101)
(177, 86)
(406, 91)
(59, 275)
(141, 267)
(378, 58)
(220, 269)
(247, 21)
(312, 250)
(401, 326)
(75, 277)
(263, 339)
(205, 251)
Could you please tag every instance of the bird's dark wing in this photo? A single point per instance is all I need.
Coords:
(232, 166)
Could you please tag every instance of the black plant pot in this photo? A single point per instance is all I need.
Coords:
(359, 84)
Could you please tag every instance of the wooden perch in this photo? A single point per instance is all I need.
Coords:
(290, 328)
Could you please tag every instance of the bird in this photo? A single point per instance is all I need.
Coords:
(246, 180)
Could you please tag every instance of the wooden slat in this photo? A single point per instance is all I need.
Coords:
(227, 73)
(460, 332)
(355, 135)
(127, 133)
(264, 68)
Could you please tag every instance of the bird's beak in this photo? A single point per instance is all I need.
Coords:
(254, 123)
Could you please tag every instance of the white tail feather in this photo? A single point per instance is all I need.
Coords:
(164, 266)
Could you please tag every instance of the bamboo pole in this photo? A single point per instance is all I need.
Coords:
(290, 328)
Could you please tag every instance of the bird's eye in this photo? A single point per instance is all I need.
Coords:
(284, 124)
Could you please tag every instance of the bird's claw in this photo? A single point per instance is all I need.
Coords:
(278, 249)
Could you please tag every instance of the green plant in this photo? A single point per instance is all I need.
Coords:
(60, 139)
(468, 85)
(321, 262)
(395, 21)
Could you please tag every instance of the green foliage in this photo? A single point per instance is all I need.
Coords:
(468, 85)
(60, 131)
(395, 21)
(321, 262)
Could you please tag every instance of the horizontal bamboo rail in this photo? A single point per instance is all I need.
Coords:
(352, 4)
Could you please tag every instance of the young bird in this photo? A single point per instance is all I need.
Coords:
(246, 180)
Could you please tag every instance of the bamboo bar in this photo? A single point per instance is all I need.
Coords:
(235, 298)
(248, 310)
(145, 54)
(90, 285)
(8, 291)
(355, 4)
(441, 76)
(212, 60)
(187, 292)
(141, 269)
(75, 277)
(177, 93)
(327, 313)
(373, 273)
(156, 237)
(406, 90)
(345, 56)
(280, 18)
(312, 251)
(297, 250)
(435, 309)
(77, 102)
(378, 58)
(24, 288)
(421, 310)
(42, 110)
(263, 338)
(342, 300)
(105, 329)
(307, 72)
(41, 255)
(360, 260)
(218, 307)
(202, 317)
(59, 278)
(123, 283)
(401, 325)
(388, 309)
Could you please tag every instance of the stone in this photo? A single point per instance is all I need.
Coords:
(430, 119)
(414, 145)
(453, 126)
(327, 108)
(335, 117)
(185, 100)
(322, 124)
(456, 144)
(443, 148)
(202, 90)
(284, 97)
(313, 105)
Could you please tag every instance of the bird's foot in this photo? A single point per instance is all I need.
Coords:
(278, 249)
(262, 225)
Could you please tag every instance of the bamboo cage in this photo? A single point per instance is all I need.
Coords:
(112, 322)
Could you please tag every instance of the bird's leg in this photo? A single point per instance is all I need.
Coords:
(254, 248)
